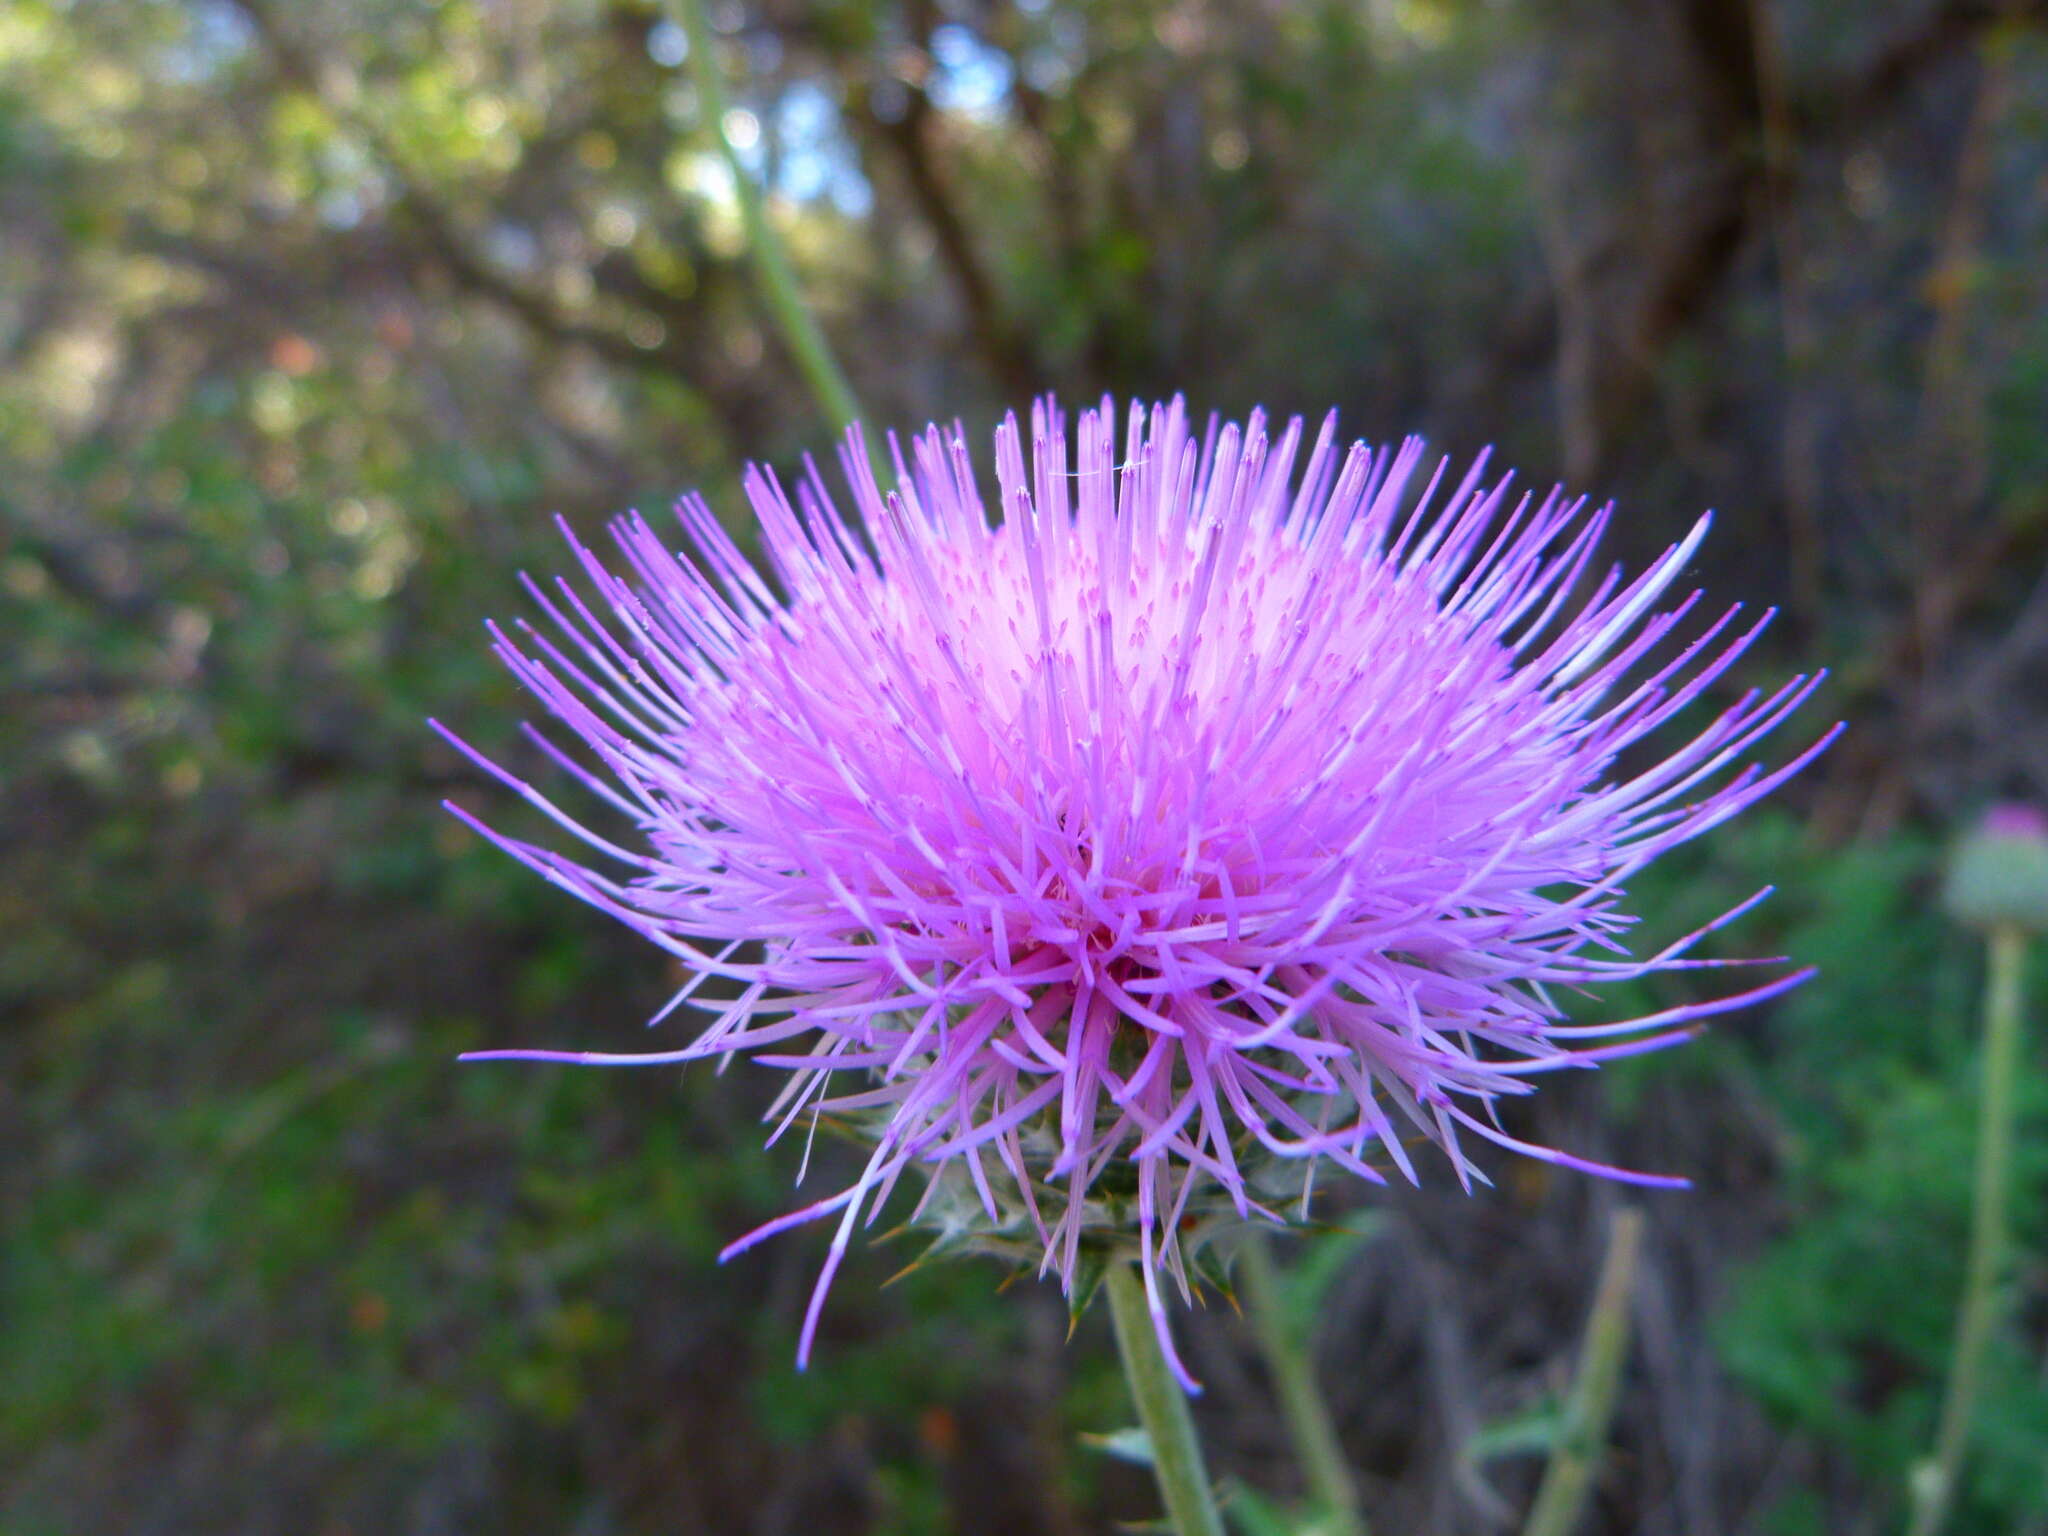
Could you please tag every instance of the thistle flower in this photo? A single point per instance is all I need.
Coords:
(1182, 816)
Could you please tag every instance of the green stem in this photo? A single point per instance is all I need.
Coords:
(1162, 1409)
(785, 300)
(1294, 1381)
(1582, 1436)
(1934, 1480)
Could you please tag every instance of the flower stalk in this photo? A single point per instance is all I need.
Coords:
(1934, 1480)
(785, 301)
(1309, 1426)
(1582, 1434)
(1162, 1409)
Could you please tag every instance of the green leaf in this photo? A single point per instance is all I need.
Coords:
(1529, 1432)
(1305, 1284)
(1256, 1515)
(1130, 1443)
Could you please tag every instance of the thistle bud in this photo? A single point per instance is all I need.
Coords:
(1998, 875)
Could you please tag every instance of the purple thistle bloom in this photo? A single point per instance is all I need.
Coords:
(1181, 814)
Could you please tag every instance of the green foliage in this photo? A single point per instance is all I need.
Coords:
(1842, 1325)
(937, 1349)
(310, 316)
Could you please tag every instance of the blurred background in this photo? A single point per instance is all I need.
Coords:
(310, 316)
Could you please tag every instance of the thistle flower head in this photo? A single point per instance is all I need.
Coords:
(1170, 818)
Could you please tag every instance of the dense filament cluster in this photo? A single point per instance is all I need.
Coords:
(1176, 810)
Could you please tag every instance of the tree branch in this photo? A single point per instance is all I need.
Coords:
(1687, 271)
(440, 241)
(910, 139)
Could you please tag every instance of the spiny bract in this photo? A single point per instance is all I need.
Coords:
(1182, 813)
